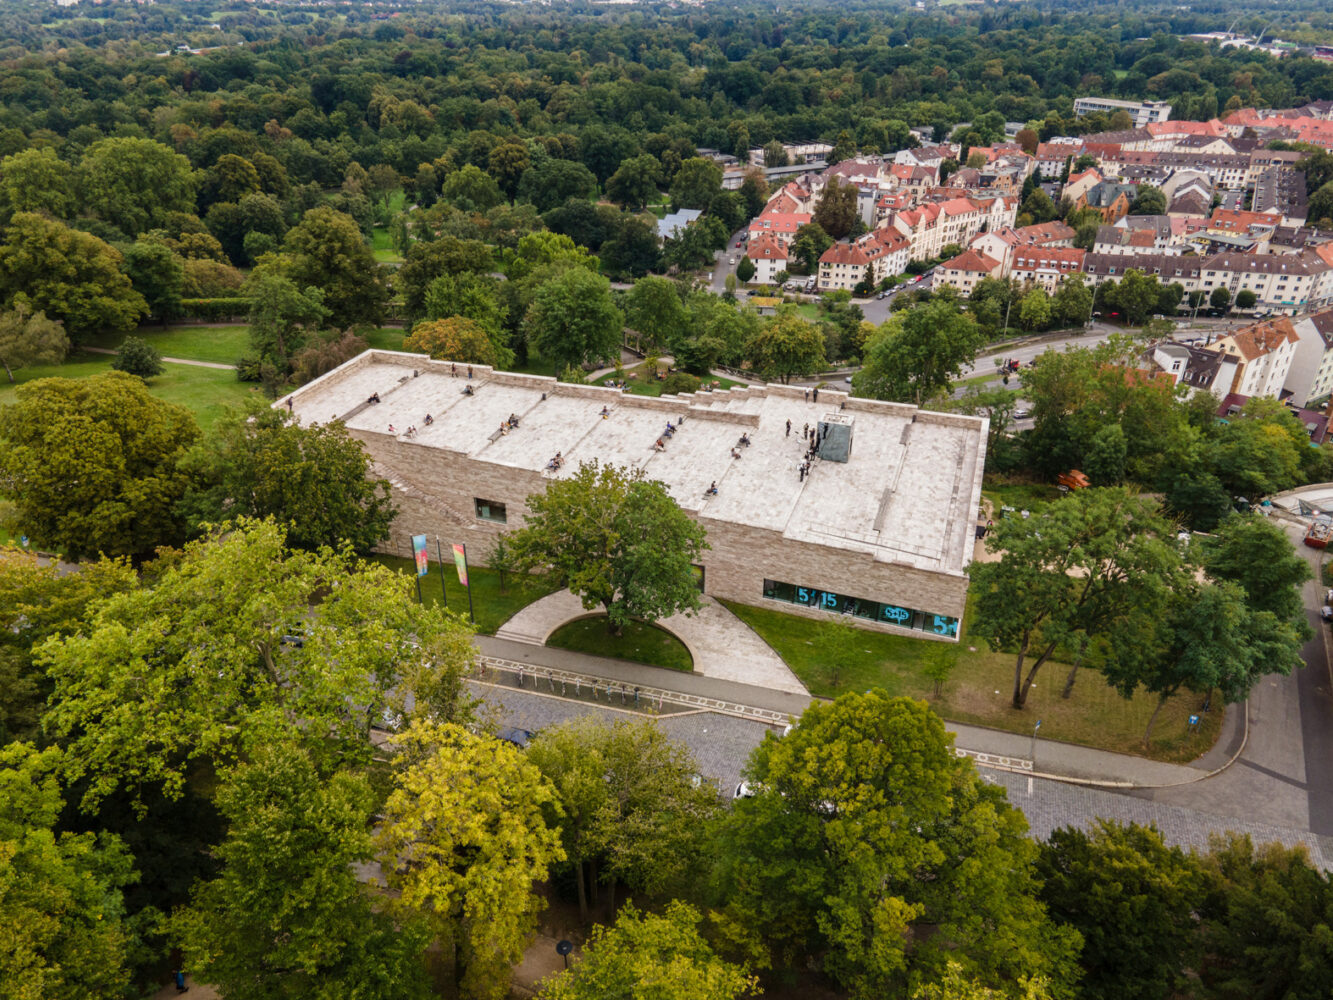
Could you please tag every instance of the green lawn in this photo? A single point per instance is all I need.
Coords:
(1018, 494)
(639, 643)
(980, 685)
(383, 246)
(492, 608)
(208, 392)
(387, 338)
(220, 344)
(809, 310)
(639, 384)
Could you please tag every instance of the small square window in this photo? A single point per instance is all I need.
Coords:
(490, 510)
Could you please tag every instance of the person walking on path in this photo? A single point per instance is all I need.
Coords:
(788, 428)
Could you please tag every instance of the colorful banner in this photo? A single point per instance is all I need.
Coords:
(460, 560)
(420, 554)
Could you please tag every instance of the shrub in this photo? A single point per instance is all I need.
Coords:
(679, 382)
(138, 357)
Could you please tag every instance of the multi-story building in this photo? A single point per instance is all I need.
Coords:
(868, 259)
(966, 270)
(1045, 267)
(879, 533)
(931, 227)
(1142, 113)
(1263, 353)
(1285, 284)
(1310, 378)
(768, 254)
(781, 225)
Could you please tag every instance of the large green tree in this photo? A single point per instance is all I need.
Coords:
(70, 276)
(835, 210)
(328, 252)
(573, 319)
(36, 180)
(874, 852)
(629, 801)
(426, 261)
(91, 465)
(28, 338)
(1258, 556)
(552, 182)
(695, 183)
(915, 355)
(61, 901)
(287, 916)
(646, 957)
(134, 183)
(239, 640)
(282, 313)
(1135, 902)
(1073, 569)
(786, 347)
(260, 462)
(616, 539)
(463, 842)
(635, 182)
(36, 602)
(653, 308)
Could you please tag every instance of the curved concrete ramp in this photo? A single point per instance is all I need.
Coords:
(721, 645)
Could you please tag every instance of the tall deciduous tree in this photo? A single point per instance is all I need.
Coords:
(261, 463)
(36, 602)
(848, 856)
(134, 183)
(286, 916)
(644, 956)
(424, 262)
(635, 182)
(1073, 568)
(28, 338)
(695, 183)
(916, 354)
(1257, 555)
(616, 539)
(282, 314)
(835, 210)
(61, 903)
(809, 245)
(1133, 899)
(463, 842)
(1148, 200)
(35, 180)
(573, 320)
(786, 347)
(328, 252)
(70, 276)
(91, 465)
(630, 801)
(552, 182)
(458, 339)
(239, 640)
(653, 308)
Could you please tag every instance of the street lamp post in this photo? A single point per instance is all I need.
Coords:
(1033, 752)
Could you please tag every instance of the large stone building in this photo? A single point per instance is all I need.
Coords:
(878, 531)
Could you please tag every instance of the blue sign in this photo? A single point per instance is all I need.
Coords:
(1194, 720)
(23, 540)
(944, 625)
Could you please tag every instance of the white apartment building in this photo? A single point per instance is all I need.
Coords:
(1141, 112)
(1310, 377)
(1263, 353)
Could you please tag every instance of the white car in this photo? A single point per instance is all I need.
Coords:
(732, 261)
(1022, 413)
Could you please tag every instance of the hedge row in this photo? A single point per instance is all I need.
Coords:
(214, 309)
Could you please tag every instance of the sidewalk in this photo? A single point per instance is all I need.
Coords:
(989, 747)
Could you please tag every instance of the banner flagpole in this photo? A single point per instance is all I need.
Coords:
(444, 590)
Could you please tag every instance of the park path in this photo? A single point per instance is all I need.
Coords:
(722, 646)
(170, 361)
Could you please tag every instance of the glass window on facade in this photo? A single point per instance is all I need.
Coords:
(859, 607)
(491, 510)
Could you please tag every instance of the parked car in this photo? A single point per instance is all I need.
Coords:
(732, 261)
(1022, 413)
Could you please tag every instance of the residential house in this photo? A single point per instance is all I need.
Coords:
(1077, 187)
(867, 259)
(782, 225)
(1200, 369)
(769, 256)
(931, 227)
(1052, 156)
(1046, 267)
(1111, 199)
(1000, 244)
(1281, 190)
(1282, 283)
(671, 226)
(1310, 377)
(1263, 353)
(1235, 222)
(1182, 270)
(966, 270)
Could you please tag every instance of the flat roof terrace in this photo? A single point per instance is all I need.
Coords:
(907, 494)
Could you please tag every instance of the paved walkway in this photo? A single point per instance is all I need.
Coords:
(170, 361)
(722, 646)
(558, 672)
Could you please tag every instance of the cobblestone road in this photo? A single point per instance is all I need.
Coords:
(721, 744)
